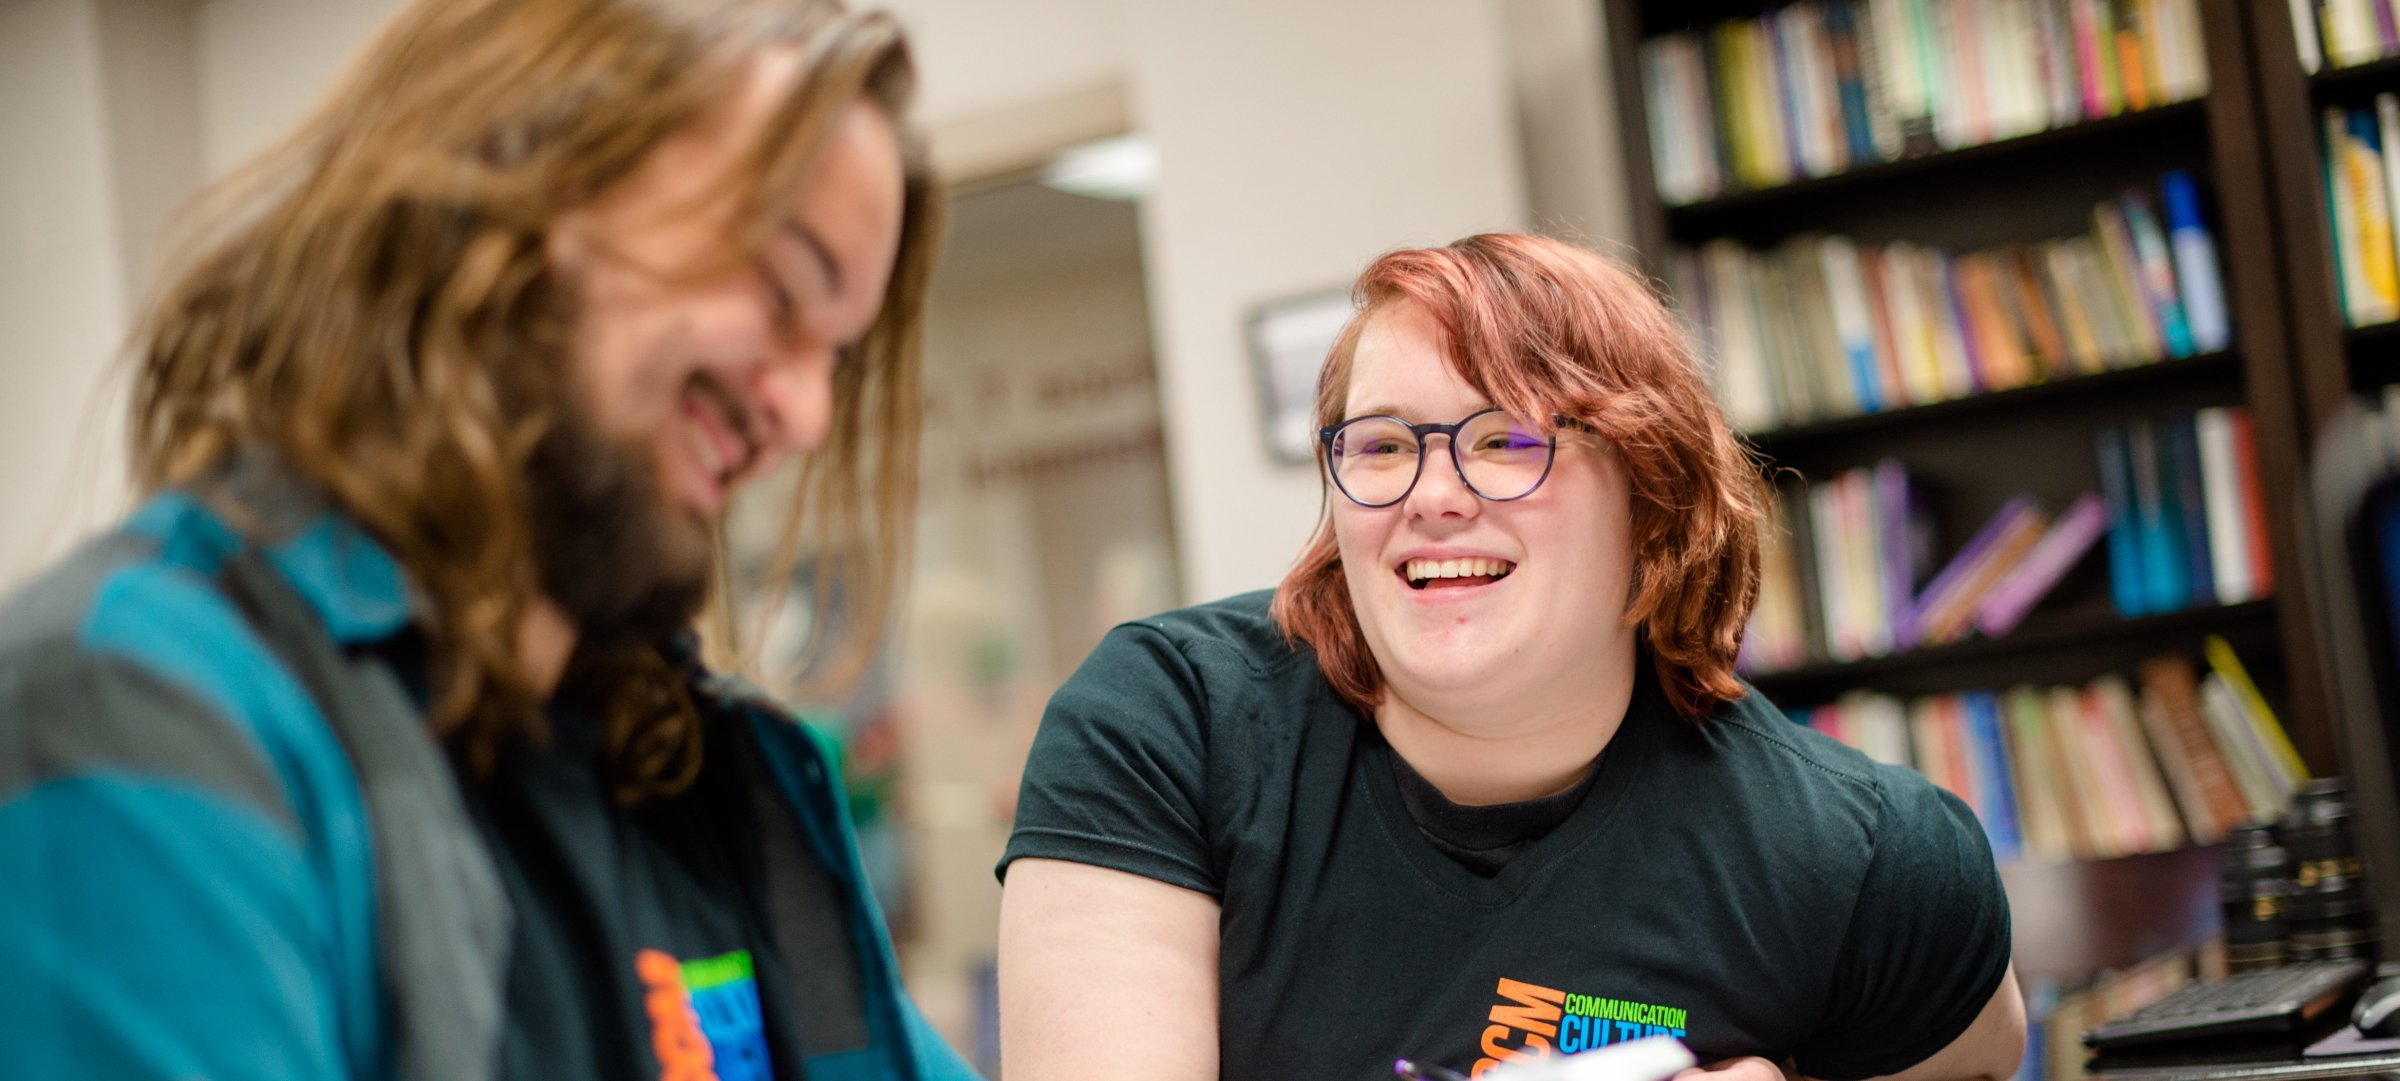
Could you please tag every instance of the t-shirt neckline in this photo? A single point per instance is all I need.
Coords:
(1613, 777)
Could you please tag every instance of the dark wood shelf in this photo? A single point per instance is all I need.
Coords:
(2071, 631)
(2122, 384)
(2373, 356)
(2335, 83)
(1700, 218)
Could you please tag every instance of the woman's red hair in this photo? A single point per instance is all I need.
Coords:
(1541, 327)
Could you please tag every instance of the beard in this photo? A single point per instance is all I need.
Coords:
(625, 564)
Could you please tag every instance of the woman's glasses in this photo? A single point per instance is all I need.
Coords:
(1376, 460)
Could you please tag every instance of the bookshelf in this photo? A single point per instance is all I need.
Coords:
(2329, 359)
(2111, 392)
(1988, 169)
(2064, 648)
(2379, 75)
(2246, 141)
(1977, 451)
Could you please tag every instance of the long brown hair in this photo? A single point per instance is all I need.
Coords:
(373, 301)
(1542, 328)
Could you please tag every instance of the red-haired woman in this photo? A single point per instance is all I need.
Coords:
(1478, 783)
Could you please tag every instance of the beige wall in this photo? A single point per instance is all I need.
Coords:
(978, 56)
(1567, 117)
(149, 63)
(262, 63)
(1043, 521)
(95, 118)
(1296, 141)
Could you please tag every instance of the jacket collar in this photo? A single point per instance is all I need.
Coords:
(354, 585)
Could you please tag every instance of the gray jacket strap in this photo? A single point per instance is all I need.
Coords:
(443, 922)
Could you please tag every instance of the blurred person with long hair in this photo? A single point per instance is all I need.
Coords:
(1477, 783)
(376, 744)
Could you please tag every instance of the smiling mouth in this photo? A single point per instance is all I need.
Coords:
(1423, 574)
(721, 431)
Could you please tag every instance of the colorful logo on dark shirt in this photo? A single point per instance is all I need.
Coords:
(1530, 1022)
(705, 1023)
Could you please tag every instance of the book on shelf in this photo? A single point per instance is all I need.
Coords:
(2344, 33)
(1823, 326)
(2186, 521)
(2227, 666)
(2060, 548)
(1850, 569)
(1945, 611)
(2116, 767)
(2051, 824)
(2179, 468)
(1778, 635)
(1824, 86)
(2160, 522)
(2362, 189)
(2204, 786)
(2199, 283)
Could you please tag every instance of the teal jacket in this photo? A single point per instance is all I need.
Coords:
(229, 848)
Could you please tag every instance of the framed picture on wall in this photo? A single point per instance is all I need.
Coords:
(1289, 339)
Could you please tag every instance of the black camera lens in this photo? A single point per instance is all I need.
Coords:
(2253, 887)
(2327, 915)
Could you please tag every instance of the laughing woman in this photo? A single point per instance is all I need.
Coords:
(1477, 782)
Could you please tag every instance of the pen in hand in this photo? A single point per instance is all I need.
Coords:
(1426, 1071)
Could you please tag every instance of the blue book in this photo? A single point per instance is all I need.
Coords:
(2197, 278)
(2165, 580)
(2126, 585)
(1841, 34)
(1995, 781)
(1787, 89)
(2187, 497)
(2155, 269)
(2383, 516)
(1853, 316)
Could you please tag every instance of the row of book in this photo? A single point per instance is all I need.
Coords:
(1825, 86)
(2362, 189)
(2187, 519)
(1849, 571)
(2092, 772)
(1824, 326)
(2345, 33)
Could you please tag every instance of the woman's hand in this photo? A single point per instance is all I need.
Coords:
(1989, 1050)
(1747, 1068)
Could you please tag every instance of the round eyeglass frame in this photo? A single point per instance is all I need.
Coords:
(1326, 436)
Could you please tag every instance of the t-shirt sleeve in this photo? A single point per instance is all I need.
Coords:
(1928, 942)
(1116, 777)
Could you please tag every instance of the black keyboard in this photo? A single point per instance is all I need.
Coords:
(2269, 1002)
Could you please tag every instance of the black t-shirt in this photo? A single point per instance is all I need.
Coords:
(1481, 838)
(639, 933)
(1744, 883)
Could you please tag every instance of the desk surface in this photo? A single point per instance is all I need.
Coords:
(2380, 1064)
